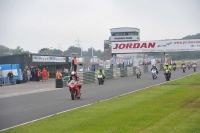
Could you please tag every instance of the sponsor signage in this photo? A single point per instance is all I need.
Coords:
(156, 46)
(36, 58)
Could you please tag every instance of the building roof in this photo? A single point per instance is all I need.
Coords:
(125, 28)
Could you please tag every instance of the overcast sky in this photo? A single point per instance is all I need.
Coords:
(34, 24)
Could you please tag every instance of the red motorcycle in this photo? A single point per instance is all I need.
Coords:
(74, 89)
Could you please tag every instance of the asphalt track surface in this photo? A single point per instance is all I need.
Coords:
(24, 108)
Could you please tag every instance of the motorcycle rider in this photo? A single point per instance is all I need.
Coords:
(194, 63)
(73, 76)
(167, 67)
(183, 63)
(188, 64)
(154, 67)
(138, 69)
(174, 64)
(101, 72)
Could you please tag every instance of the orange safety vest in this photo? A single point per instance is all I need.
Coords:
(57, 75)
(75, 61)
(38, 73)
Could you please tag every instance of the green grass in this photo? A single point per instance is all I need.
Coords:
(171, 107)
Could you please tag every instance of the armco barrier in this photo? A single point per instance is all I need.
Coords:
(88, 77)
(134, 72)
(109, 74)
(145, 69)
(116, 73)
(129, 71)
(123, 72)
(91, 77)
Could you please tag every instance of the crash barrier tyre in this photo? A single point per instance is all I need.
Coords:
(59, 83)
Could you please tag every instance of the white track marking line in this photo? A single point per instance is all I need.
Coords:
(95, 102)
(29, 92)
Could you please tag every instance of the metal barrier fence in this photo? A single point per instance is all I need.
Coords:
(91, 77)
(145, 69)
(88, 77)
(123, 72)
(109, 74)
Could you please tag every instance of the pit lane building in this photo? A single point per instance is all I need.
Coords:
(50, 62)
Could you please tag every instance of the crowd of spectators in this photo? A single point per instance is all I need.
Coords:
(37, 75)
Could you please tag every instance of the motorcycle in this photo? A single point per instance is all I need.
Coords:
(100, 79)
(72, 85)
(174, 67)
(167, 75)
(188, 66)
(184, 68)
(153, 73)
(138, 74)
(194, 67)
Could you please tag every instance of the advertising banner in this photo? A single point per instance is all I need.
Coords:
(36, 58)
(101, 63)
(156, 46)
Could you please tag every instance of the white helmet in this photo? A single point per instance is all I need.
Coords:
(138, 66)
(166, 64)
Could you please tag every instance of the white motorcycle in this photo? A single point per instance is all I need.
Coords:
(154, 73)
(100, 79)
(138, 74)
(167, 75)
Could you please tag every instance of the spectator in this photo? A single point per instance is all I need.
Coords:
(38, 74)
(58, 75)
(10, 76)
(44, 75)
(74, 63)
(28, 74)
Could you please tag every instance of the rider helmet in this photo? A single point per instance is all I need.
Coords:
(73, 73)
(138, 66)
(166, 64)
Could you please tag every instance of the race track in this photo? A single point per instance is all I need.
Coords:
(16, 110)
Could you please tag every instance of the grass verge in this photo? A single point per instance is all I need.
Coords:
(171, 107)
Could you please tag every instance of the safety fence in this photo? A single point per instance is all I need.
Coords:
(91, 77)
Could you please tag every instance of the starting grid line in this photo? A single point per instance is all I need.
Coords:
(95, 102)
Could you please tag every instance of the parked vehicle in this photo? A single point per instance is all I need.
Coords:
(15, 69)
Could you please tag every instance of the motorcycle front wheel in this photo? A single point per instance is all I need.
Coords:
(73, 94)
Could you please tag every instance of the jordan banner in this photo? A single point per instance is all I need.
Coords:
(156, 46)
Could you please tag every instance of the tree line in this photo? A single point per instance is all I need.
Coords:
(48, 51)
